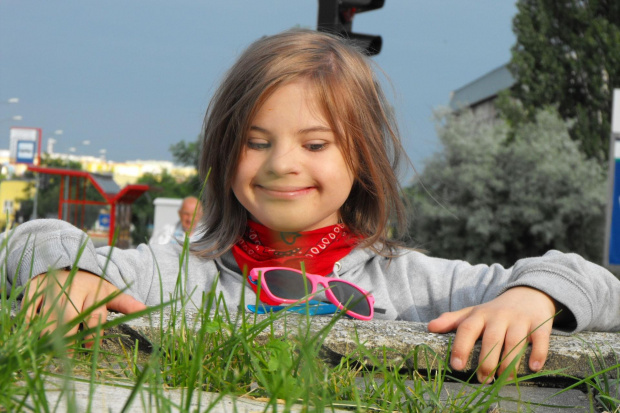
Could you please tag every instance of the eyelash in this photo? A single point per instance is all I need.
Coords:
(315, 147)
(258, 145)
(312, 147)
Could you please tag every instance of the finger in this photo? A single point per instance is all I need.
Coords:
(98, 316)
(94, 319)
(57, 312)
(466, 335)
(32, 306)
(67, 314)
(540, 346)
(490, 351)
(516, 339)
(448, 321)
(126, 304)
(33, 298)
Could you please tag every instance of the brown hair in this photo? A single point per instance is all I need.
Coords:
(355, 107)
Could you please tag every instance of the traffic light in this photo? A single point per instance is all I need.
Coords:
(336, 16)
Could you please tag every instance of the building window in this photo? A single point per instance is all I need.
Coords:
(8, 207)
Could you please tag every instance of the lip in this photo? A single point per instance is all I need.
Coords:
(286, 192)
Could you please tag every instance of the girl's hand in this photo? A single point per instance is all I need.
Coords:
(85, 290)
(503, 323)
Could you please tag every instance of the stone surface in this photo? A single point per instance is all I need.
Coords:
(573, 355)
(512, 398)
(576, 356)
(75, 396)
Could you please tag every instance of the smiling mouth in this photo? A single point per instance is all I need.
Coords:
(286, 192)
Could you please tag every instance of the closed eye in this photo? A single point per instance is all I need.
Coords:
(258, 144)
(316, 147)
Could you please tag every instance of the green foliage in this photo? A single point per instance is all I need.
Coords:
(187, 153)
(497, 195)
(567, 54)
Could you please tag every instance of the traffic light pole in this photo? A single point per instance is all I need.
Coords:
(336, 17)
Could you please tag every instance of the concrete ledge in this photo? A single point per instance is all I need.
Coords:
(574, 355)
(66, 395)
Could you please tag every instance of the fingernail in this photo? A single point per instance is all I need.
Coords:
(487, 380)
(457, 363)
(536, 366)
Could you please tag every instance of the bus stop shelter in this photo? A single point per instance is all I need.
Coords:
(73, 199)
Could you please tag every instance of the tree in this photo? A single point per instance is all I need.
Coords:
(488, 198)
(187, 153)
(567, 54)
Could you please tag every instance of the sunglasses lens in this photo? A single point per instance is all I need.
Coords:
(350, 297)
(288, 285)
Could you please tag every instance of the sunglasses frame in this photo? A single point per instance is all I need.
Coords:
(315, 280)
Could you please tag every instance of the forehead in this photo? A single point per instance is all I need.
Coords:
(292, 101)
(188, 205)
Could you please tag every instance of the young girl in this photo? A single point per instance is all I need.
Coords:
(302, 146)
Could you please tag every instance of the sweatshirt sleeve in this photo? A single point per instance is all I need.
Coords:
(38, 246)
(589, 292)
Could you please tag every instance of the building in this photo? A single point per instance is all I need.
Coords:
(480, 94)
(12, 191)
(124, 173)
(129, 172)
(8, 169)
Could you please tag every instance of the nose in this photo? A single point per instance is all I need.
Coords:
(283, 160)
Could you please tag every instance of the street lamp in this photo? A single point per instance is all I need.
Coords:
(10, 101)
(52, 141)
(16, 117)
(50, 150)
(50, 145)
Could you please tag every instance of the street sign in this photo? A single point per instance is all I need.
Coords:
(612, 229)
(25, 145)
(26, 151)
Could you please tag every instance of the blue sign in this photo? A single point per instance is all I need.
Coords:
(104, 220)
(26, 152)
(614, 234)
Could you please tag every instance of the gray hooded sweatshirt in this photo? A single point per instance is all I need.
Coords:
(411, 286)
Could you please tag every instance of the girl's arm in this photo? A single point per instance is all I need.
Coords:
(39, 253)
(151, 274)
(523, 302)
(503, 305)
(36, 247)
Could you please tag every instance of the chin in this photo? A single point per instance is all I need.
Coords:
(285, 228)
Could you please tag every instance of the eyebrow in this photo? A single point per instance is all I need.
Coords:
(300, 132)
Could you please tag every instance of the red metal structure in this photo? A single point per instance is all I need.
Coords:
(73, 186)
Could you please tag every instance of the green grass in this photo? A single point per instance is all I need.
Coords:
(218, 351)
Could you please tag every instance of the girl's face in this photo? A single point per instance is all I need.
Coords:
(291, 175)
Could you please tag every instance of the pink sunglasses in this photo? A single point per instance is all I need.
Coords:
(279, 285)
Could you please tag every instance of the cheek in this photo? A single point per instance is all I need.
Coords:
(344, 173)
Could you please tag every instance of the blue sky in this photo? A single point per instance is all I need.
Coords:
(133, 77)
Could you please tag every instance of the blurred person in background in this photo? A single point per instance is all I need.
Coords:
(175, 233)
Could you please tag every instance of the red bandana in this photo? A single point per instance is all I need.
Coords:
(318, 249)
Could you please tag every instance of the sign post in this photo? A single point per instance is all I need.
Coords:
(25, 145)
(612, 227)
